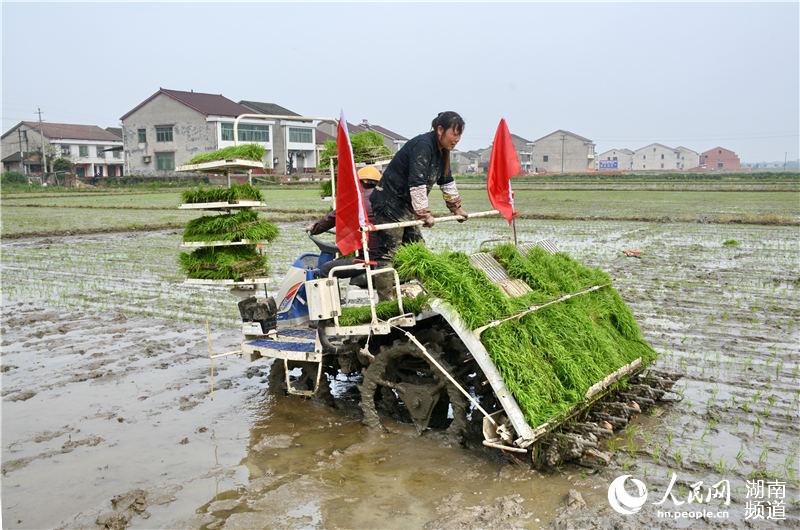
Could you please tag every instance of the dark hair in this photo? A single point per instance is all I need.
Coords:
(448, 120)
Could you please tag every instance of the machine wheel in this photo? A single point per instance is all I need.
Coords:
(402, 383)
(304, 381)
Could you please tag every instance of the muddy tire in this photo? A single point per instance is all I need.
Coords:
(403, 384)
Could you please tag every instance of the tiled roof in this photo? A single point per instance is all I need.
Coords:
(321, 137)
(268, 108)
(71, 131)
(386, 132)
(656, 144)
(206, 104)
(578, 136)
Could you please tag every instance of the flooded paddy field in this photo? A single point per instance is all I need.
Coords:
(107, 393)
(76, 212)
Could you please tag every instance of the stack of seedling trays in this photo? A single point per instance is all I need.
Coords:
(226, 246)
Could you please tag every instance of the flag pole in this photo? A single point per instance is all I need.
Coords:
(514, 229)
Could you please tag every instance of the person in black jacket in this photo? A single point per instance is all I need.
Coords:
(402, 193)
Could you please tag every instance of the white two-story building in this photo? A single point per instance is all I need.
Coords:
(94, 152)
(170, 127)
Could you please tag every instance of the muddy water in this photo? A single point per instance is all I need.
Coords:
(106, 390)
(96, 405)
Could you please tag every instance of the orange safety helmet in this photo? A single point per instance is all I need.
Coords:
(369, 173)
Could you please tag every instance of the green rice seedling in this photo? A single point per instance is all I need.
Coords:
(244, 151)
(220, 263)
(236, 192)
(230, 227)
(353, 316)
(730, 243)
(762, 457)
(326, 188)
(548, 358)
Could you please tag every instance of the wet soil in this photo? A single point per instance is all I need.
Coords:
(108, 410)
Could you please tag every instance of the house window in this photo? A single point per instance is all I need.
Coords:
(249, 132)
(163, 133)
(226, 130)
(654, 149)
(545, 158)
(65, 150)
(142, 133)
(719, 165)
(300, 135)
(662, 166)
(615, 158)
(644, 157)
(662, 156)
(117, 153)
(165, 161)
(83, 150)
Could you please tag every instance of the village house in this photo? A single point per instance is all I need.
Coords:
(687, 158)
(392, 140)
(615, 160)
(462, 162)
(171, 126)
(562, 152)
(720, 159)
(655, 156)
(294, 141)
(95, 152)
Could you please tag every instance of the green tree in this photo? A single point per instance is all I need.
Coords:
(62, 164)
(368, 147)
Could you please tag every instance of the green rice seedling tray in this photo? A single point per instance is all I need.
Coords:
(237, 193)
(249, 152)
(227, 229)
(550, 358)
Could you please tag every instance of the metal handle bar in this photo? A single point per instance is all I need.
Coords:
(403, 224)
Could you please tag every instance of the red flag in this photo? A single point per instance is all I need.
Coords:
(503, 164)
(350, 212)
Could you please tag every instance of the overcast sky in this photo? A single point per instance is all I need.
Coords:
(624, 75)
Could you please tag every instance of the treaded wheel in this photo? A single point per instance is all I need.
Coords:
(402, 383)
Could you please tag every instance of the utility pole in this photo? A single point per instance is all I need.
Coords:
(562, 154)
(785, 154)
(21, 152)
(41, 134)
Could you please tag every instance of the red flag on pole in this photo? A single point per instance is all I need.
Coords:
(350, 212)
(503, 164)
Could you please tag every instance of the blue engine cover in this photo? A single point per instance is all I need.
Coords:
(295, 307)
